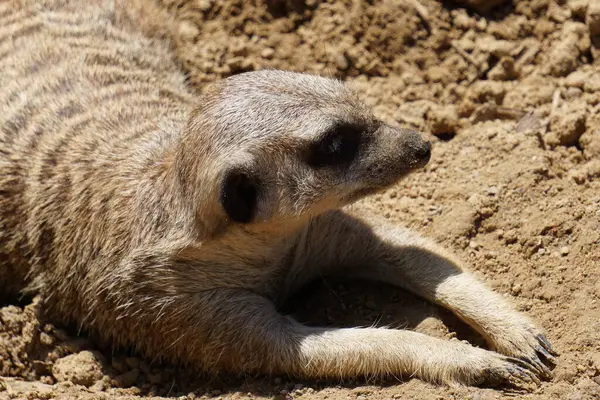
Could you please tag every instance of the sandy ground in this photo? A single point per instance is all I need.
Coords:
(512, 99)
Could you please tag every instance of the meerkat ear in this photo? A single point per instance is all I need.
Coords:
(239, 196)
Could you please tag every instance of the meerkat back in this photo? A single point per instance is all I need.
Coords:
(77, 96)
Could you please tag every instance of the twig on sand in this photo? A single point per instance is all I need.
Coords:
(422, 12)
(555, 101)
(465, 55)
(469, 58)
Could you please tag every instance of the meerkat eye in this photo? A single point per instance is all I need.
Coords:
(338, 146)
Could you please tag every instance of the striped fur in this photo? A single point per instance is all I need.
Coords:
(79, 97)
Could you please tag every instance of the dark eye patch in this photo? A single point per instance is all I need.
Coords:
(337, 147)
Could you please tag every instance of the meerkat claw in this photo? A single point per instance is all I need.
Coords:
(528, 364)
(542, 369)
(546, 344)
(515, 376)
(527, 375)
(545, 354)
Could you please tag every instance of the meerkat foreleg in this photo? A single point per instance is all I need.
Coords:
(380, 251)
(369, 352)
(424, 268)
(239, 331)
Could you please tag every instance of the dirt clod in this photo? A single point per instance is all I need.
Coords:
(83, 368)
(442, 119)
(564, 56)
(567, 124)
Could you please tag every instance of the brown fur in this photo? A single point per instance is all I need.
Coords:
(176, 224)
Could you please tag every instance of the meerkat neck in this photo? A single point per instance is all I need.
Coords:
(256, 245)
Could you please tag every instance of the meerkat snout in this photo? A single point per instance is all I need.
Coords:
(421, 148)
(413, 150)
(424, 153)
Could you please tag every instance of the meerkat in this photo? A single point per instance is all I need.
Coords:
(176, 223)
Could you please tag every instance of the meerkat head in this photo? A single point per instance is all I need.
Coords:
(274, 145)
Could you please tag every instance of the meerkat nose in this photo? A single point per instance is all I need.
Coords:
(424, 152)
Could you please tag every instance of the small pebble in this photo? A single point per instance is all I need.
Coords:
(188, 31)
(341, 61)
(516, 289)
(267, 53)
(493, 190)
(204, 5)
(129, 378)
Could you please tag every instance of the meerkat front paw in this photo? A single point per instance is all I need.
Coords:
(509, 371)
(524, 341)
(485, 367)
